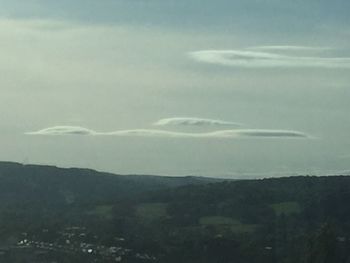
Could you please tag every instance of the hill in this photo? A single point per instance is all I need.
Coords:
(37, 183)
(181, 219)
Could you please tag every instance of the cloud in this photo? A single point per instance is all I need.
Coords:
(223, 134)
(63, 130)
(156, 133)
(190, 121)
(255, 59)
(215, 134)
(271, 133)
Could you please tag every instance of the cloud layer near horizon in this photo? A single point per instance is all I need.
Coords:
(257, 59)
(258, 133)
(191, 121)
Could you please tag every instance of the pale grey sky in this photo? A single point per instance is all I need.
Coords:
(245, 88)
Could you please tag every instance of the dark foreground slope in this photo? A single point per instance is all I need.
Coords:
(77, 215)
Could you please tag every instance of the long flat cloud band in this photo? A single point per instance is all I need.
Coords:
(256, 59)
(190, 121)
(224, 134)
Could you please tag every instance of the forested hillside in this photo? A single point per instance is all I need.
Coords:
(190, 219)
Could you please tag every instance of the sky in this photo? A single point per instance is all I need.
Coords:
(238, 89)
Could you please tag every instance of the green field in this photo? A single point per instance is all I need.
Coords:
(217, 220)
(151, 211)
(286, 208)
(233, 225)
(103, 211)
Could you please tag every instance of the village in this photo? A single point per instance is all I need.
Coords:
(73, 241)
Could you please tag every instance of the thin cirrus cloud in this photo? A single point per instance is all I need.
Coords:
(223, 134)
(191, 121)
(262, 59)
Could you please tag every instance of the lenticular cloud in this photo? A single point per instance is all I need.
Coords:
(257, 59)
(215, 134)
(190, 121)
(63, 130)
(220, 134)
